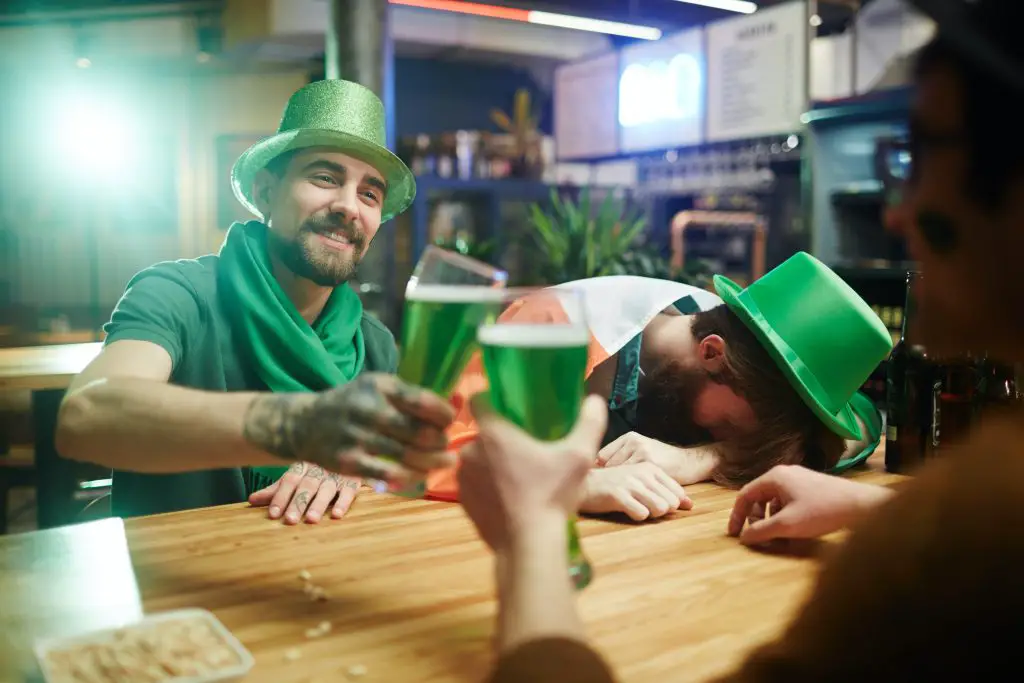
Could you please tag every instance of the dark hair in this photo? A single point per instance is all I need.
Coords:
(992, 109)
(788, 432)
(278, 166)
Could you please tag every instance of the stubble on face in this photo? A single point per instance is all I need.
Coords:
(308, 257)
(667, 404)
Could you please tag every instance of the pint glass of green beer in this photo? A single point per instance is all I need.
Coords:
(448, 297)
(536, 371)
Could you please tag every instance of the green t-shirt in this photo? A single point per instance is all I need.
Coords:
(175, 305)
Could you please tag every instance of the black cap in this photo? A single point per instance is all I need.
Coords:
(962, 23)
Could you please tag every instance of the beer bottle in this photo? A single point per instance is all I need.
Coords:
(907, 367)
(953, 400)
(997, 385)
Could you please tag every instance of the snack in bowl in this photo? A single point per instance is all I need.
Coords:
(187, 645)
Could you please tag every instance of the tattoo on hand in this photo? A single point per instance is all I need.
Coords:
(272, 423)
(334, 478)
(297, 468)
(301, 501)
(353, 483)
(334, 428)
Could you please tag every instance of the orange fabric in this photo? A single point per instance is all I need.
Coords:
(443, 484)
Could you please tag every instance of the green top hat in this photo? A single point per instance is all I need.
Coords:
(821, 334)
(337, 114)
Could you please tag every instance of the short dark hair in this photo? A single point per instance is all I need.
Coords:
(788, 431)
(278, 166)
(992, 109)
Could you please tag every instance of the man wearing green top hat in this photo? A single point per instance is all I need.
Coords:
(255, 373)
(703, 386)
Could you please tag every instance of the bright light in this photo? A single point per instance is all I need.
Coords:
(96, 138)
(741, 6)
(83, 62)
(614, 28)
(660, 91)
(815, 20)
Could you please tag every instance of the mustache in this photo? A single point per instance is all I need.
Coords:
(334, 223)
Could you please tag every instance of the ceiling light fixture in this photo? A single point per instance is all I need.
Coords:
(614, 28)
(741, 6)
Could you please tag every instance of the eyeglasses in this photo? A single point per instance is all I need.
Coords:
(895, 158)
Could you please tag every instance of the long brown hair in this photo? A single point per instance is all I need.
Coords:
(788, 432)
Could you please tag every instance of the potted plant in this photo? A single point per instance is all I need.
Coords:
(526, 159)
(576, 242)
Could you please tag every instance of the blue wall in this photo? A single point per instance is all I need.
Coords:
(435, 96)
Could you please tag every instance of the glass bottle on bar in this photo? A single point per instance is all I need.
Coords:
(954, 393)
(908, 394)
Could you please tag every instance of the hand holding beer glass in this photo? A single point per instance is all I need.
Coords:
(448, 297)
(536, 372)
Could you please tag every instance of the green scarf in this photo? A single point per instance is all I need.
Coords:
(288, 354)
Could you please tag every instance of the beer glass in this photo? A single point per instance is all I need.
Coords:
(447, 298)
(536, 371)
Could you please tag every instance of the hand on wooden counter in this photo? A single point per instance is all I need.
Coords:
(685, 465)
(306, 491)
(641, 490)
(790, 501)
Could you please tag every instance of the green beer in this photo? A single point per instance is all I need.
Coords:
(439, 337)
(439, 332)
(536, 375)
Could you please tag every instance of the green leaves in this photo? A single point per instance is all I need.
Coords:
(579, 242)
(481, 251)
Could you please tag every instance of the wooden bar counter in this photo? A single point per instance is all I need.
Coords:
(410, 591)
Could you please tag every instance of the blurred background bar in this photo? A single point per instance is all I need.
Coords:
(735, 132)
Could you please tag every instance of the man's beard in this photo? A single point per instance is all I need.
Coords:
(665, 407)
(306, 256)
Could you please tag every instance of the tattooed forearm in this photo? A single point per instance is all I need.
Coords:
(273, 423)
(361, 428)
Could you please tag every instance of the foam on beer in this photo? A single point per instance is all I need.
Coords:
(455, 294)
(534, 336)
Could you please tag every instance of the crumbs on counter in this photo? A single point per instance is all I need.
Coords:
(154, 652)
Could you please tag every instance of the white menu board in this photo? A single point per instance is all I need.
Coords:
(661, 93)
(585, 96)
(756, 73)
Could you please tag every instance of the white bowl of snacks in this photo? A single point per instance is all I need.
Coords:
(183, 646)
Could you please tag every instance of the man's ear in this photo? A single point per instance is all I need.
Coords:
(711, 353)
(263, 192)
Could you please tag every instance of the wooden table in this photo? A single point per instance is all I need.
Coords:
(47, 371)
(44, 367)
(410, 588)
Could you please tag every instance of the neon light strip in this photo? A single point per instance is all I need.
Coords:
(741, 6)
(532, 17)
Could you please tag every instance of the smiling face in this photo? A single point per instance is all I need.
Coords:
(323, 209)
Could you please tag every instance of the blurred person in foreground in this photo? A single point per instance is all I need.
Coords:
(928, 585)
(255, 372)
(711, 386)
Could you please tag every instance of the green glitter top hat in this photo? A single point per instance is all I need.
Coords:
(336, 114)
